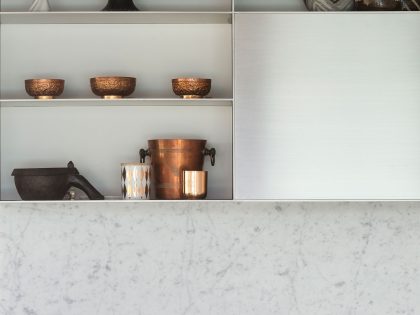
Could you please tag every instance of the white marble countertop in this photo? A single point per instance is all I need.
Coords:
(210, 258)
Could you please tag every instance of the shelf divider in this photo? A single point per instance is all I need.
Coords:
(83, 102)
(142, 17)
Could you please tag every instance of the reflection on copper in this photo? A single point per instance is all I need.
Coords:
(194, 184)
(170, 157)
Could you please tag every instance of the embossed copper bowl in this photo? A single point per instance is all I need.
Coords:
(191, 87)
(113, 87)
(44, 88)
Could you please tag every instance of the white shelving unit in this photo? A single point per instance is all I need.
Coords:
(168, 40)
(284, 114)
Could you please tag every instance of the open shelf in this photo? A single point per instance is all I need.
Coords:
(142, 17)
(152, 53)
(74, 102)
(99, 139)
(97, 134)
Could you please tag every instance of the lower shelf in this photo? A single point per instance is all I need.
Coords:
(116, 201)
(99, 139)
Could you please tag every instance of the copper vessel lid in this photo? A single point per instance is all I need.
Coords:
(181, 140)
(177, 141)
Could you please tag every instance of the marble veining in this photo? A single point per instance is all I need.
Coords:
(210, 258)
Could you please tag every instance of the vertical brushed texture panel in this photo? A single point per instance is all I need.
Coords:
(327, 106)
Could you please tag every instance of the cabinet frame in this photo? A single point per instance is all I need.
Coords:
(170, 17)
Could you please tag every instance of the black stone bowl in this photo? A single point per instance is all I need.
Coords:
(51, 183)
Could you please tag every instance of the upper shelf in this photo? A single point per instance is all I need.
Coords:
(74, 102)
(150, 17)
(142, 17)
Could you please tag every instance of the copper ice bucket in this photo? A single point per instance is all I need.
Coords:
(170, 157)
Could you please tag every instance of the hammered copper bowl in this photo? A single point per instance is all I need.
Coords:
(44, 88)
(191, 87)
(113, 87)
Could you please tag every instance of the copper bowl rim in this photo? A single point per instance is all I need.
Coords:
(190, 79)
(112, 77)
(172, 143)
(177, 140)
(43, 80)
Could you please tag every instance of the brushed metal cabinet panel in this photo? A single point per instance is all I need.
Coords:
(327, 106)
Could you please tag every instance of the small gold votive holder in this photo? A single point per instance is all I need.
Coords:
(194, 185)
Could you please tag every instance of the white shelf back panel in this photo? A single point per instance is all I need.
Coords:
(147, 5)
(98, 139)
(327, 106)
(270, 5)
(153, 53)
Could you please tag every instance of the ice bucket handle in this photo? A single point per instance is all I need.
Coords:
(143, 153)
(212, 154)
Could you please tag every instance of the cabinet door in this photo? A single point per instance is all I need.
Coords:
(327, 106)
